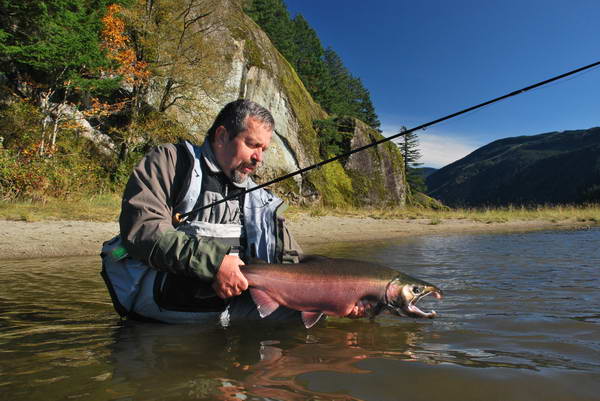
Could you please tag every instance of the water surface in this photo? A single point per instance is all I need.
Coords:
(520, 321)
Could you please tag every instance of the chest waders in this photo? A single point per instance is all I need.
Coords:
(142, 293)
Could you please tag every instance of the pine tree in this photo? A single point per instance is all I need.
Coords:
(346, 94)
(308, 60)
(340, 84)
(409, 146)
(273, 17)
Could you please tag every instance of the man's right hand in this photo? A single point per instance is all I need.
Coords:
(229, 281)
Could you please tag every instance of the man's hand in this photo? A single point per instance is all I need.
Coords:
(229, 281)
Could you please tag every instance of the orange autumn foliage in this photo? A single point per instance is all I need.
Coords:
(118, 48)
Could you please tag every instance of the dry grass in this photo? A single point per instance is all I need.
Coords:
(104, 207)
(582, 213)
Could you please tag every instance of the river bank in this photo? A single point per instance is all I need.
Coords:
(19, 240)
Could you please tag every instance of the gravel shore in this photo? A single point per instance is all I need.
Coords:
(20, 240)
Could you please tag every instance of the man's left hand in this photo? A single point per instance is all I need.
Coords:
(229, 281)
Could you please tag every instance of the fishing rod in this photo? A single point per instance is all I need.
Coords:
(180, 217)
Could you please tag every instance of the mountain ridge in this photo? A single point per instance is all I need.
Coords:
(549, 168)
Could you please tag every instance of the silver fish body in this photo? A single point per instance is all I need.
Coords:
(320, 286)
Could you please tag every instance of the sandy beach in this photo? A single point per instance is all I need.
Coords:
(20, 240)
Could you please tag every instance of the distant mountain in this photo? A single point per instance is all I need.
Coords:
(551, 168)
(425, 171)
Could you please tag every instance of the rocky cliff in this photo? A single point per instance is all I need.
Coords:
(246, 64)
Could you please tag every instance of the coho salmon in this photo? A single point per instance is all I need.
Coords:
(320, 286)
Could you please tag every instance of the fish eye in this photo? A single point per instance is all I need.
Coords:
(416, 290)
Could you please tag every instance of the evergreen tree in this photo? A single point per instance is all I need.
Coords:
(52, 42)
(308, 60)
(363, 105)
(346, 93)
(409, 146)
(340, 86)
(273, 17)
(50, 52)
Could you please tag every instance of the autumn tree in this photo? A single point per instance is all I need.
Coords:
(127, 66)
(173, 37)
(50, 52)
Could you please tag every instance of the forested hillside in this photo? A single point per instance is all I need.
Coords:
(552, 168)
(88, 86)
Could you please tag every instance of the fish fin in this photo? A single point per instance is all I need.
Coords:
(264, 303)
(311, 318)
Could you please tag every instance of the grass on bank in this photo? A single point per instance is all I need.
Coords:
(103, 208)
(106, 207)
(580, 213)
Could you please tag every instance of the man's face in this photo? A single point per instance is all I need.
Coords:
(242, 155)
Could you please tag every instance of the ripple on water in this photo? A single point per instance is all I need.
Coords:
(519, 318)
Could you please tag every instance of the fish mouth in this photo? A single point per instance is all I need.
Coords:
(412, 310)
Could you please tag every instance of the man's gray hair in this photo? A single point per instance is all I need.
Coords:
(233, 117)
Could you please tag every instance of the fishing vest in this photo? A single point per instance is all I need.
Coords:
(138, 291)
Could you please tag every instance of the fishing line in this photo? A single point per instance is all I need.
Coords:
(180, 217)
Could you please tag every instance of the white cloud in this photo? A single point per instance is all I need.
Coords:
(438, 149)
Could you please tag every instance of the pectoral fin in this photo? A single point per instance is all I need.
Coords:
(311, 318)
(264, 303)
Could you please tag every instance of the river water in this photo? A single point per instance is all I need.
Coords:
(520, 320)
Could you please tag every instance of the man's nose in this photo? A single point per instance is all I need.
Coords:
(257, 155)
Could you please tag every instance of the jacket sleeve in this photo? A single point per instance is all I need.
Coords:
(146, 224)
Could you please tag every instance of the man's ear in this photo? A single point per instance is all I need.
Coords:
(221, 135)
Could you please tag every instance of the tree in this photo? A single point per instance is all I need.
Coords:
(409, 146)
(171, 36)
(322, 71)
(128, 65)
(50, 52)
(308, 60)
(273, 17)
(346, 93)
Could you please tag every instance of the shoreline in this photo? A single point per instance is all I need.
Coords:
(61, 238)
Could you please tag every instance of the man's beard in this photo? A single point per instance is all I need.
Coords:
(240, 178)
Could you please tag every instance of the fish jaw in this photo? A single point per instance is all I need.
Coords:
(402, 298)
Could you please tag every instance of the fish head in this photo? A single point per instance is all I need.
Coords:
(403, 293)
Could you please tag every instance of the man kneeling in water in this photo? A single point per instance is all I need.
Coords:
(158, 271)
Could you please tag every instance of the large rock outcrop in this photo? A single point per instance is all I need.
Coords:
(250, 66)
(378, 172)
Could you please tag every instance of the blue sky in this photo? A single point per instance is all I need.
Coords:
(422, 60)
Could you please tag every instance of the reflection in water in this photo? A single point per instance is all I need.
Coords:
(276, 374)
(520, 318)
(247, 361)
